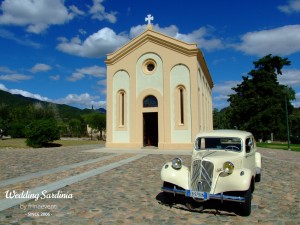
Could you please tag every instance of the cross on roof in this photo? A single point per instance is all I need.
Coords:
(149, 18)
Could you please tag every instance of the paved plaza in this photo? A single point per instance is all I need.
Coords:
(95, 185)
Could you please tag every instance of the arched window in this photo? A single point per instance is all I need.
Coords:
(150, 101)
(180, 106)
(121, 99)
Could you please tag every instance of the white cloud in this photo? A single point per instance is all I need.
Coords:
(202, 37)
(296, 103)
(3, 88)
(106, 40)
(82, 31)
(102, 82)
(23, 93)
(221, 92)
(279, 41)
(15, 77)
(35, 15)
(5, 69)
(224, 87)
(28, 94)
(40, 67)
(76, 11)
(171, 30)
(93, 71)
(293, 6)
(96, 45)
(97, 10)
(290, 77)
(83, 99)
(76, 76)
(20, 40)
(55, 77)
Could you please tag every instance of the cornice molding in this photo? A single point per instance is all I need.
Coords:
(154, 37)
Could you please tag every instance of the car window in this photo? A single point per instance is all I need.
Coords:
(221, 143)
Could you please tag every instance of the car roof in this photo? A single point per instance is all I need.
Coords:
(224, 133)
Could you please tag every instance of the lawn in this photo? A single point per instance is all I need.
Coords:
(20, 143)
(284, 146)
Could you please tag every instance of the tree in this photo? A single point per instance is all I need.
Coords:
(222, 118)
(3, 128)
(76, 127)
(258, 104)
(4, 121)
(19, 117)
(40, 132)
(96, 121)
(295, 126)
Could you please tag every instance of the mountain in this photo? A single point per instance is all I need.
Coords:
(65, 111)
(101, 110)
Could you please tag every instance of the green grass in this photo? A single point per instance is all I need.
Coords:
(284, 146)
(20, 143)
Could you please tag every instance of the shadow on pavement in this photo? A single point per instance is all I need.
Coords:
(214, 207)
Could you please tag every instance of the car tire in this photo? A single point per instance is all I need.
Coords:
(170, 196)
(258, 177)
(245, 209)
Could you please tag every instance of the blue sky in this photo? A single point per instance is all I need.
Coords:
(54, 50)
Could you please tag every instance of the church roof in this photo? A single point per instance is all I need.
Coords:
(189, 49)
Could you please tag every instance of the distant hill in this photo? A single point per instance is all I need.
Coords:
(65, 111)
(101, 110)
(12, 100)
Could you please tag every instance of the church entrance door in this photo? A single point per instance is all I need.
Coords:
(150, 129)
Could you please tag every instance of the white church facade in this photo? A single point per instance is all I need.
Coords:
(159, 93)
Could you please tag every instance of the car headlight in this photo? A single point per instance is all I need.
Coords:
(177, 163)
(228, 167)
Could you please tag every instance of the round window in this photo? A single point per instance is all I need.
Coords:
(149, 66)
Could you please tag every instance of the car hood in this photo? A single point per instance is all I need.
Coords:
(217, 155)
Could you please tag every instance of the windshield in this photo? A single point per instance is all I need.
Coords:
(219, 143)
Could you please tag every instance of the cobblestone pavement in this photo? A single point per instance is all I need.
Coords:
(130, 194)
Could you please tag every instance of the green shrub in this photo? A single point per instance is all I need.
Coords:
(41, 132)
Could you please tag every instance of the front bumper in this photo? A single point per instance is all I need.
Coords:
(221, 196)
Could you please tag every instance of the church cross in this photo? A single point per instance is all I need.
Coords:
(149, 18)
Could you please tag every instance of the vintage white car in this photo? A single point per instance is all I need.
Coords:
(225, 165)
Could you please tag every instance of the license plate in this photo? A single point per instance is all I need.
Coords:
(197, 194)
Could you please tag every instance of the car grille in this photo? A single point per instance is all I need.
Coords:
(202, 174)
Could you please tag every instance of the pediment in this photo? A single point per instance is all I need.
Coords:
(155, 37)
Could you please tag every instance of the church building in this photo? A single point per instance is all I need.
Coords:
(159, 93)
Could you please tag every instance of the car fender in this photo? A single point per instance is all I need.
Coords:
(239, 180)
(179, 177)
(257, 160)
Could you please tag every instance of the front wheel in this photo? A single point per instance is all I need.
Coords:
(245, 209)
(175, 198)
(170, 196)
